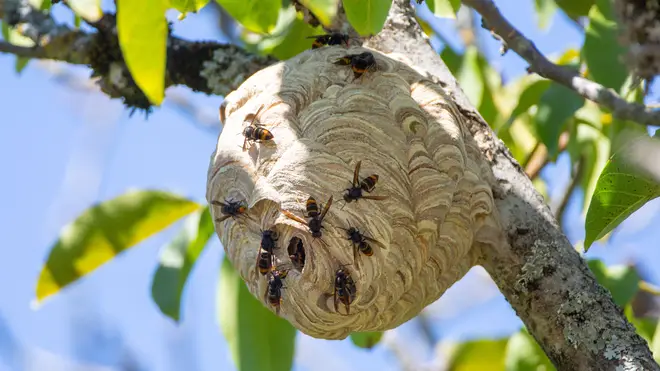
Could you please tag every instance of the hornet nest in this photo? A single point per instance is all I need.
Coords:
(423, 236)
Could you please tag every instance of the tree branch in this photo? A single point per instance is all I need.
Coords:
(544, 279)
(206, 67)
(21, 51)
(513, 39)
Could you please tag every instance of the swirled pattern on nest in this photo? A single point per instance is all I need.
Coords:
(403, 129)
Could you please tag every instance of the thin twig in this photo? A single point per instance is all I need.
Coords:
(426, 330)
(21, 51)
(531, 156)
(466, 27)
(649, 288)
(495, 21)
(559, 214)
(538, 159)
(576, 23)
(406, 362)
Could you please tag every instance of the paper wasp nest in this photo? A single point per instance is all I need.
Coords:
(439, 205)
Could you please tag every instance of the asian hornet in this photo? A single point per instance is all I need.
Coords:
(315, 218)
(361, 242)
(273, 294)
(334, 38)
(255, 132)
(344, 291)
(360, 63)
(265, 255)
(365, 185)
(229, 209)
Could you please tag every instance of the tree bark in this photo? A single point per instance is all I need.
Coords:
(545, 280)
(206, 67)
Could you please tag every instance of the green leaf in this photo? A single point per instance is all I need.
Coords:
(487, 108)
(519, 137)
(523, 353)
(451, 58)
(620, 191)
(479, 355)
(295, 41)
(324, 10)
(257, 338)
(645, 326)
(289, 37)
(367, 16)
(444, 8)
(105, 230)
(618, 127)
(366, 339)
(177, 260)
(41, 4)
(575, 8)
(255, 15)
(622, 281)
(12, 36)
(35, 3)
(602, 51)
(589, 144)
(528, 98)
(492, 84)
(425, 26)
(186, 6)
(89, 10)
(142, 32)
(557, 105)
(655, 345)
(469, 76)
(545, 10)
(21, 63)
(541, 187)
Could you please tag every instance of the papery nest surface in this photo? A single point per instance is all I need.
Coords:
(402, 127)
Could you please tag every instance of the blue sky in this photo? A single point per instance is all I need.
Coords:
(63, 149)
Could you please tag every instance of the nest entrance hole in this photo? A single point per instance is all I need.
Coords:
(296, 251)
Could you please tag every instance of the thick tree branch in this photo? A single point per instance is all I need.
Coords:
(546, 281)
(513, 39)
(21, 51)
(206, 67)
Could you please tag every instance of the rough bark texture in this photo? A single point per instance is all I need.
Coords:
(640, 24)
(402, 128)
(546, 281)
(207, 67)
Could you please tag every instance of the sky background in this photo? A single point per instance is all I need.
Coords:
(63, 149)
